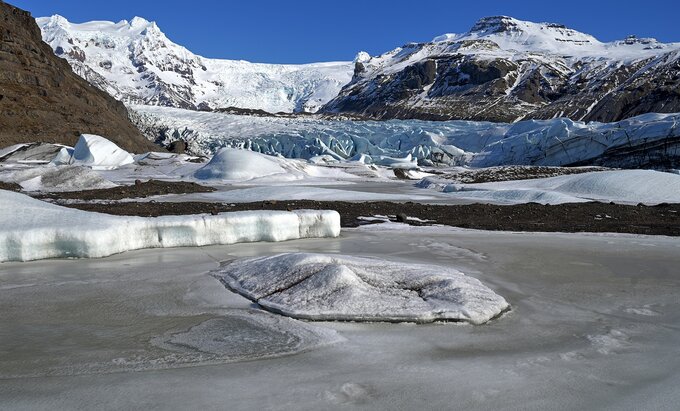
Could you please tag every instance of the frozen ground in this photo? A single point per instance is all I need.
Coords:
(593, 326)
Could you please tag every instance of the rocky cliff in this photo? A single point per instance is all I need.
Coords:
(41, 99)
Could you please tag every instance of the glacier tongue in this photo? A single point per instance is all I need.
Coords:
(650, 140)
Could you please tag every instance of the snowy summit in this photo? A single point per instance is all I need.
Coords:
(135, 62)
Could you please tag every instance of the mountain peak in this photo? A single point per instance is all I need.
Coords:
(57, 21)
(495, 24)
(512, 34)
(140, 22)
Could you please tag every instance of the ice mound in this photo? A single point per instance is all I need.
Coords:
(95, 152)
(345, 288)
(33, 229)
(234, 164)
(63, 178)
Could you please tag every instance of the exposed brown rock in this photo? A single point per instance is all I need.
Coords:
(41, 99)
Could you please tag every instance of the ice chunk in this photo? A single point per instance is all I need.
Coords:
(98, 153)
(233, 164)
(33, 229)
(31, 153)
(339, 287)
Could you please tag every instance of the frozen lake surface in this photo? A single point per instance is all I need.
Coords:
(594, 324)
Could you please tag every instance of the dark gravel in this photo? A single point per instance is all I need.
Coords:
(577, 217)
(9, 186)
(140, 189)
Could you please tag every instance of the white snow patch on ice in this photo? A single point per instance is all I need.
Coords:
(347, 288)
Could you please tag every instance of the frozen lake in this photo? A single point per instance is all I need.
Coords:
(594, 324)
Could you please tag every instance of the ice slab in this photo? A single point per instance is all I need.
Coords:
(33, 229)
(346, 288)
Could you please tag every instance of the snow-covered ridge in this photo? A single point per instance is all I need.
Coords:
(135, 62)
(512, 34)
(33, 229)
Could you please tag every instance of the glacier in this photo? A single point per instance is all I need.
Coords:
(649, 140)
(33, 229)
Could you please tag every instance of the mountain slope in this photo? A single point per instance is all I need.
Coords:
(136, 63)
(505, 69)
(41, 99)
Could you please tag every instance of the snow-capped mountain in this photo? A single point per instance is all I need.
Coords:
(505, 69)
(136, 63)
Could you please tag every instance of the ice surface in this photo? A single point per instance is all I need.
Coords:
(67, 316)
(96, 152)
(230, 338)
(340, 287)
(33, 229)
(620, 186)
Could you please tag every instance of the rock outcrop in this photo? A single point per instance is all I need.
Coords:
(42, 99)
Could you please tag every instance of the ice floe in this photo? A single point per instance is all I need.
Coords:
(347, 288)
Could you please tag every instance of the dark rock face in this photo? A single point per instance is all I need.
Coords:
(42, 99)
(476, 80)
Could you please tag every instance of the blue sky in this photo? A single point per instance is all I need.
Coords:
(306, 31)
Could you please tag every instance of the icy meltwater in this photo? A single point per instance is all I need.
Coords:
(593, 325)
